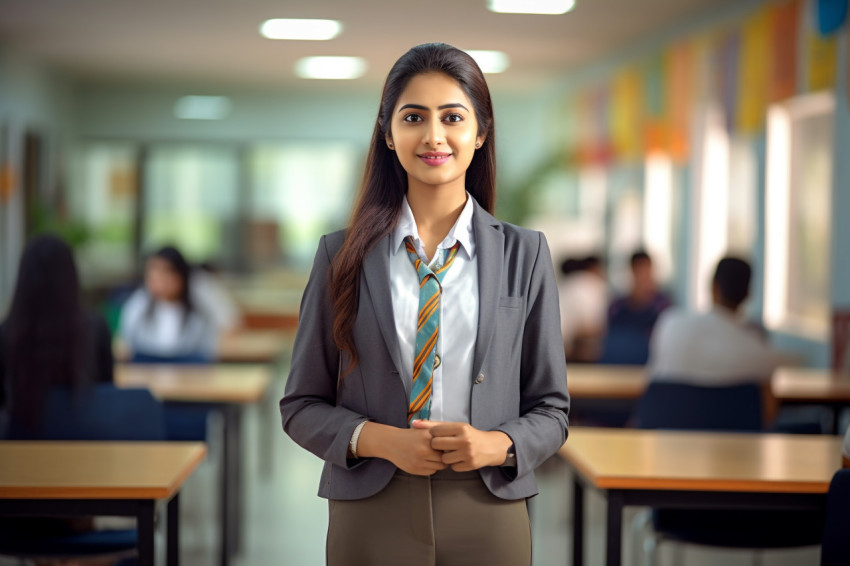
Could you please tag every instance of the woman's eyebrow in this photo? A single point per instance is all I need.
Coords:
(443, 107)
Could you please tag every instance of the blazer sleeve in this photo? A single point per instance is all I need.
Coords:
(542, 426)
(308, 409)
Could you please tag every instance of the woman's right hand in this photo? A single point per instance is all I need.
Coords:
(408, 448)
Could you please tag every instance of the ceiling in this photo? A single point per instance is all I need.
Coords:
(217, 42)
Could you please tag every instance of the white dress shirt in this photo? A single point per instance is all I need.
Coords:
(710, 348)
(452, 379)
(166, 332)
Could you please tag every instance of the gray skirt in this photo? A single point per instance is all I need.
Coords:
(448, 519)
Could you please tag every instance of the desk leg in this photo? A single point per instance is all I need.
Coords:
(145, 527)
(173, 524)
(614, 530)
(578, 522)
(231, 502)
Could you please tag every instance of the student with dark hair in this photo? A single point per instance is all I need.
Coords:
(160, 321)
(49, 338)
(632, 317)
(715, 347)
(428, 370)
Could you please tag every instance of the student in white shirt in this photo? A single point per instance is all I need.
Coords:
(717, 347)
(160, 321)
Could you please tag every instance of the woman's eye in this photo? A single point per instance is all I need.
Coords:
(453, 118)
(413, 118)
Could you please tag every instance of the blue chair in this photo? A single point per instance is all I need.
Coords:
(835, 549)
(624, 345)
(183, 421)
(100, 413)
(738, 408)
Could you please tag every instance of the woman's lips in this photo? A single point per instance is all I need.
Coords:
(434, 159)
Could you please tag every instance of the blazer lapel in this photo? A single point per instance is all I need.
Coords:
(489, 244)
(376, 273)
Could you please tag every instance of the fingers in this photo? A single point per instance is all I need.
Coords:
(450, 429)
(423, 424)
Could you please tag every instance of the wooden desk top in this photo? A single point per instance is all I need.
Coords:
(96, 470)
(244, 346)
(668, 460)
(810, 385)
(598, 381)
(216, 383)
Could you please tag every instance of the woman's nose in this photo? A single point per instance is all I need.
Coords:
(434, 134)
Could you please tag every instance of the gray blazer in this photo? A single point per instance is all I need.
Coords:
(520, 386)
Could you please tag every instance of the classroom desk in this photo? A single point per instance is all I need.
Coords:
(808, 386)
(265, 307)
(244, 346)
(601, 381)
(227, 388)
(696, 470)
(100, 478)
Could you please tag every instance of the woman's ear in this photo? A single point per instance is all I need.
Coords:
(389, 141)
(479, 141)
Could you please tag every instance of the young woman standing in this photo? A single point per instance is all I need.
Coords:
(428, 370)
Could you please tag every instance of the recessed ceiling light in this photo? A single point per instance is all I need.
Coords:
(490, 61)
(202, 107)
(281, 28)
(330, 67)
(531, 6)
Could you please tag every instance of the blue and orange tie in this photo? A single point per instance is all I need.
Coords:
(428, 328)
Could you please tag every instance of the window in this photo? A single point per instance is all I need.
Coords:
(798, 209)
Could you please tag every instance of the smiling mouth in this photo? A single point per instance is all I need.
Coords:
(435, 156)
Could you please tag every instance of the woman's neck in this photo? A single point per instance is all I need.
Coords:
(435, 209)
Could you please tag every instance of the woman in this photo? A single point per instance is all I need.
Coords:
(49, 338)
(160, 322)
(428, 370)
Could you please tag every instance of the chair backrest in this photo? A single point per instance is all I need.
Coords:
(680, 406)
(103, 412)
(625, 346)
(172, 360)
(835, 550)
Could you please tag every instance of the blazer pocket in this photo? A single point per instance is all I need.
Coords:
(511, 302)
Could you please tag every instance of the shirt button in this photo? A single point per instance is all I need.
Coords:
(479, 379)
(437, 361)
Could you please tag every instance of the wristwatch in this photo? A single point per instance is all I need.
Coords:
(510, 458)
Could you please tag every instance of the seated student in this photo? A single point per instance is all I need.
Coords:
(160, 321)
(715, 348)
(583, 295)
(49, 337)
(632, 317)
(211, 296)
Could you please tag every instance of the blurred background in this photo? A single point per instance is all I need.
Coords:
(692, 129)
(620, 125)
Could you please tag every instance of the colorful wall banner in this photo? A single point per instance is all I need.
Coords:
(626, 103)
(680, 84)
(753, 72)
(784, 23)
(821, 55)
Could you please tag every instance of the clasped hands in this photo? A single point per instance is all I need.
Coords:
(430, 446)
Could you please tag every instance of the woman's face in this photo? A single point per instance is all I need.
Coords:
(162, 280)
(434, 131)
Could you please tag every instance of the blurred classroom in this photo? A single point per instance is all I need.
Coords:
(688, 129)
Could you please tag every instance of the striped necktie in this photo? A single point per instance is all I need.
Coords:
(428, 328)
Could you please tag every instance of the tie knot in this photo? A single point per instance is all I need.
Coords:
(444, 259)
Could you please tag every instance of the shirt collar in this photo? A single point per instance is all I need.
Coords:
(460, 232)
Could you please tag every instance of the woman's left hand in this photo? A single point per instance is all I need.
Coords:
(466, 448)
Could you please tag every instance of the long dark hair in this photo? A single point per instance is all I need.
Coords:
(385, 181)
(181, 267)
(46, 334)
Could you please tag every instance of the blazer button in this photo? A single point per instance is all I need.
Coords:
(479, 379)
